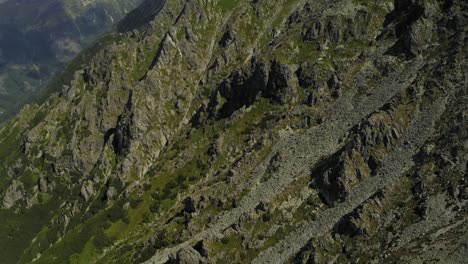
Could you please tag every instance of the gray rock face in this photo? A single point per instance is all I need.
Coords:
(413, 29)
(123, 135)
(87, 190)
(186, 256)
(280, 87)
(269, 80)
(360, 157)
(43, 185)
(228, 37)
(241, 89)
(13, 194)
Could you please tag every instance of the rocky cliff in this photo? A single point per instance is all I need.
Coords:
(288, 131)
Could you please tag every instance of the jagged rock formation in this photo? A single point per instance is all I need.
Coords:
(288, 131)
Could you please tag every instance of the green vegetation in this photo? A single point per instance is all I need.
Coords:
(24, 226)
(226, 5)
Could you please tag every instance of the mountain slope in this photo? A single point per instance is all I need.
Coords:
(38, 38)
(250, 131)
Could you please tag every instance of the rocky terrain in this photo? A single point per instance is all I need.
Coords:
(37, 38)
(238, 131)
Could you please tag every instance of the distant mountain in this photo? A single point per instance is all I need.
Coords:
(38, 37)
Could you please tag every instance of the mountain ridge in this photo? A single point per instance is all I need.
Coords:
(38, 39)
(250, 131)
